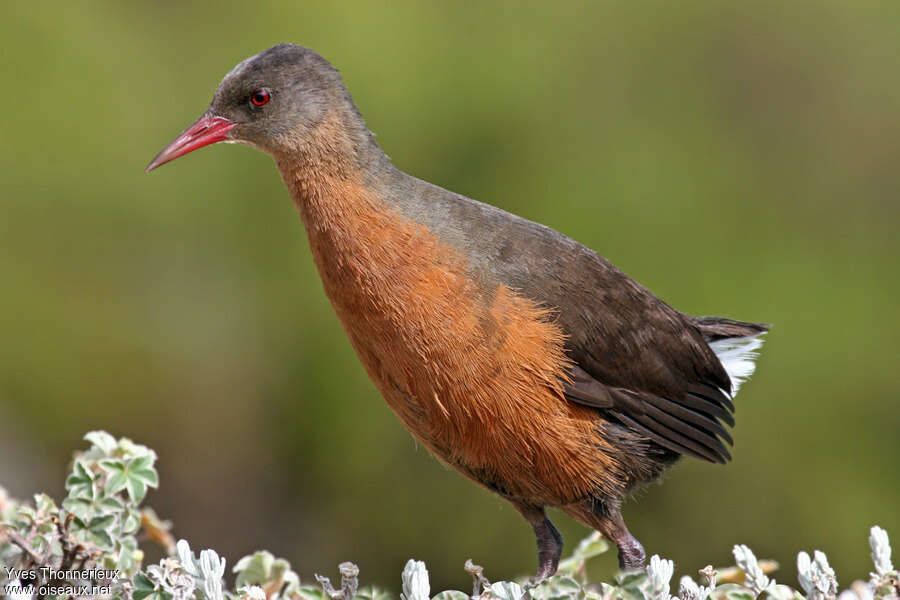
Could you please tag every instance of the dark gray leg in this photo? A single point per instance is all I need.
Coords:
(549, 539)
(606, 517)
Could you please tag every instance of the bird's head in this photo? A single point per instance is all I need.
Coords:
(272, 101)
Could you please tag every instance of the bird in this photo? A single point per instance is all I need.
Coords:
(516, 355)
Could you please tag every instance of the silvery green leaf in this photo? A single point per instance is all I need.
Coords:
(186, 558)
(129, 449)
(659, 575)
(253, 592)
(45, 505)
(142, 584)
(95, 530)
(135, 475)
(828, 581)
(804, 572)
(111, 504)
(25, 513)
(41, 543)
(83, 508)
(80, 484)
(102, 522)
(591, 546)
(367, 593)
(633, 592)
(144, 588)
(755, 579)
(211, 565)
(506, 590)
(101, 538)
(254, 568)
(308, 592)
(451, 595)
(816, 576)
(881, 550)
(116, 477)
(689, 590)
(633, 577)
(556, 587)
(415, 581)
(104, 442)
(212, 589)
(590, 594)
(780, 592)
(263, 568)
(126, 558)
(607, 589)
(131, 521)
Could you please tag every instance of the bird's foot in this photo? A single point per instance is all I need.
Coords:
(549, 550)
(549, 540)
(631, 553)
(546, 568)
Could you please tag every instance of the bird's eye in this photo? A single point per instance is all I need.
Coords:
(260, 97)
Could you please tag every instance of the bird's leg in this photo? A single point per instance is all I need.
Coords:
(549, 539)
(605, 516)
(631, 552)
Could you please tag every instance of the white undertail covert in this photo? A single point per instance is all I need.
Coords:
(738, 356)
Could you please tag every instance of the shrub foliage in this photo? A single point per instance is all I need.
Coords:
(87, 547)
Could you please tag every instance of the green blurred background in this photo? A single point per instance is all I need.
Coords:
(739, 159)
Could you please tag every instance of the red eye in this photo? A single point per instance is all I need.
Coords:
(260, 97)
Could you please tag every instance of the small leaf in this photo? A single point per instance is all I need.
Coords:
(131, 521)
(133, 474)
(102, 538)
(136, 489)
(451, 595)
(111, 504)
(143, 587)
(592, 546)
(506, 590)
(78, 522)
(83, 508)
(254, 569)
(186, 558)
(103, 441)
(128, 556)
(45, 504)
(308, 592)
(116, 483)
(780, 592)
(101, 522)
(81, 482)
(112, 465)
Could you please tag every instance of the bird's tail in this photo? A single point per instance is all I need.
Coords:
(735, 343)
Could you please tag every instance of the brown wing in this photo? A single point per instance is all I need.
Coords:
(644, 363)
(647, 365)
(689, 425)
(667, 383)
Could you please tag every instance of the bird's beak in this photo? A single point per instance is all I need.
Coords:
(206, 130)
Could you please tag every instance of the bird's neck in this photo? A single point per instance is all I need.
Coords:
(339, 148)
(330, 173)
(334, 175)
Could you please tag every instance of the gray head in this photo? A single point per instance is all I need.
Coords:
(272, 101)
